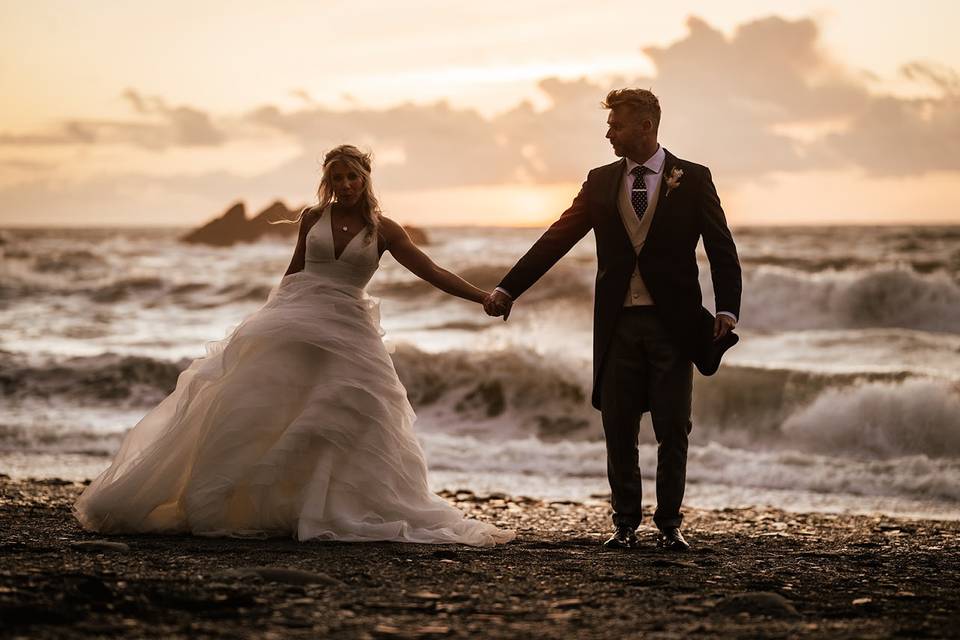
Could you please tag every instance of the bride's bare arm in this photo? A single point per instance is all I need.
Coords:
(300, 252)
(410, 256)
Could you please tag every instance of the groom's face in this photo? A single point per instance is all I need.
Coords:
(629, 133)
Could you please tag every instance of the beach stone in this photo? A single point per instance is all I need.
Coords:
(762, 603)
(569, 603)
(426, 631)
(54, 482)
(664, 562)
(294, 623)
(283, 575)
(101, 545)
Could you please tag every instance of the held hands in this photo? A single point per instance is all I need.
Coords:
(722, 325)
(497, 303)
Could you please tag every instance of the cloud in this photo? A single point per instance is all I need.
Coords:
(727, 99)
(899, 136)
(71, 132)
(730, 99)
(303, 95)
(764, 99)
(441, 146)
(164, 127)
(894, 136)
(25, 165)
(943, 78)
(184, 126)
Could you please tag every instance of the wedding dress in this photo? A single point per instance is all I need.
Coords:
(295, 424)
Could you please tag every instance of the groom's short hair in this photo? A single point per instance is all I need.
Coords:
(641, 102)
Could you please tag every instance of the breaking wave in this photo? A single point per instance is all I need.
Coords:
(517, 393)
(777, 299)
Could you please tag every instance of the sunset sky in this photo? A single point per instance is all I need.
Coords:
(134, 113)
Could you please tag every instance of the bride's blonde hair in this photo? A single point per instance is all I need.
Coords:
(355, 160)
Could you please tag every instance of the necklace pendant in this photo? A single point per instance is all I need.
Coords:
(344, 228)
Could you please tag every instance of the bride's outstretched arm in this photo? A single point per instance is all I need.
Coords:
(410, 256)
(298, 260)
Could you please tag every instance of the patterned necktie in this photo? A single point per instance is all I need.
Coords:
(638, 195)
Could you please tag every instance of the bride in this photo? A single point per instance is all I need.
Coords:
(295, 424)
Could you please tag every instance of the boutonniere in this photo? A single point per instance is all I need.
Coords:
(673, 179)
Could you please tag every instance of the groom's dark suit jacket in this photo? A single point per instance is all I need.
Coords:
(667, 261)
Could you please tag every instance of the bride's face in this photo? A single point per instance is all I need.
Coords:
(347, 184)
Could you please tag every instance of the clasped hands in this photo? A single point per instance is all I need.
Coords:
(497, 303)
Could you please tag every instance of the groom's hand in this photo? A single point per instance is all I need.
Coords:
(722, 325)
(498, 303)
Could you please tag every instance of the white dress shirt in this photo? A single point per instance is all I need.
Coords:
(651, 178)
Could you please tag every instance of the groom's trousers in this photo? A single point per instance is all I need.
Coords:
(643, 371)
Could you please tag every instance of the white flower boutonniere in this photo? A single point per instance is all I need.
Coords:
(673, 179)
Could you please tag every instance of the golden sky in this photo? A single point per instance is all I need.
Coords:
(165, 113)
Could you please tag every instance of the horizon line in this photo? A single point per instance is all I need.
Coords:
(792, 224)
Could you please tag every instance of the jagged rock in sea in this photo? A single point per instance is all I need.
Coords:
(225, 230)
(233, 226)
(260, 224)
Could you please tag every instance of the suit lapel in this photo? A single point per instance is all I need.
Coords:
(610, 193)
(664, 204)
(615, 179)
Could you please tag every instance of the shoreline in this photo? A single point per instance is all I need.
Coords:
(704, 495)
(752, 572)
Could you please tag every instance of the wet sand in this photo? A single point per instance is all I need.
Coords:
(752, 573)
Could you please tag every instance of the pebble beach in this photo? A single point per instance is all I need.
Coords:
(752, 573)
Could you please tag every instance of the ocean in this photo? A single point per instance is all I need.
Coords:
(842, 396)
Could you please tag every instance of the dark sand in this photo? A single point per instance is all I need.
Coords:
(752, 573)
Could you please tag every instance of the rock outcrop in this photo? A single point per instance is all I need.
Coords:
(260, 224)
(233, 226)
(224, 230)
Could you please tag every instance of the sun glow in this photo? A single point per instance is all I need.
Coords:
(494, 205)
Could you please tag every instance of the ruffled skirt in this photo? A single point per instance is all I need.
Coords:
(294, 425)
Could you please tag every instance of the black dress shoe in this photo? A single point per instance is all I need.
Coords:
(672, 540)
(622, 538)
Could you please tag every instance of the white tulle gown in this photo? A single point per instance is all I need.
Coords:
(294, 425)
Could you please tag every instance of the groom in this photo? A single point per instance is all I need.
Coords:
(648, 211)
